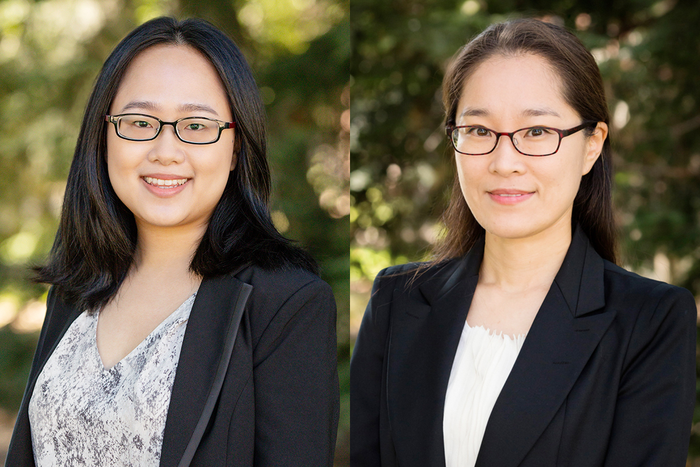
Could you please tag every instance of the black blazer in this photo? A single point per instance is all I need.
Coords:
(256, 383)
(605, 377)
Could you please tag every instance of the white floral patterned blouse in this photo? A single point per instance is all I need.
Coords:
(82, 414)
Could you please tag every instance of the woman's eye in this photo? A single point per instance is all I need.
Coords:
(479, 131)
(141, 124)
(537, 131)
(195, 126)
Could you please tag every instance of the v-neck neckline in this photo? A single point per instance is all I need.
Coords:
(168, 320)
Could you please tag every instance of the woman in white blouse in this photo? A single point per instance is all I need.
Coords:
(522, 343)
(182, 328)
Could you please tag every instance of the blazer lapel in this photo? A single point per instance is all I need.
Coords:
(425, 333)
(562, 338)
(204, 359)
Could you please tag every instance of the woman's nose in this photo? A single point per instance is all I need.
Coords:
(505, 158)
(167, 147)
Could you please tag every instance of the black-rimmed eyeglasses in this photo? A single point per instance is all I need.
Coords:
(531, 141)
(193, 130)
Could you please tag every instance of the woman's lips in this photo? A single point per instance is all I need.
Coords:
(165, 183)
(165, 186)
(510, 197)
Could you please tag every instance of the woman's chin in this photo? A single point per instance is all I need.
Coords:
(161, 220)
(528, 231)
(513, 227)
(508, 234)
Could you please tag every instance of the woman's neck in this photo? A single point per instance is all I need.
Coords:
(519, 265)
(166, 250)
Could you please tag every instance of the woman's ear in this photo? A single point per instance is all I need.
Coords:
(594, 146)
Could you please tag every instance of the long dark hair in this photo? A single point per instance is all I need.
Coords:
(583, 91)
(96, 239)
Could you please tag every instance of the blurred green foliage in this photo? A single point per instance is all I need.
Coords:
(50, 54)
(402, 172)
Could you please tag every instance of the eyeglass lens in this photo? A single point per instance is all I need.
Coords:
(192, 130)
(536, 141)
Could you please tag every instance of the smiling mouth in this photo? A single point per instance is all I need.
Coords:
(160, 183)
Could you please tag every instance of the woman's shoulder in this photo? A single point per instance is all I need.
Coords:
(285, 295)
(409, 280)
(288, 286)
(282, 282)
(647, 299)
(286, 275)
(413, 275)
(621, 281)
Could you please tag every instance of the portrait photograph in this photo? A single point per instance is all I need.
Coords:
(174, 248)
(467, 349)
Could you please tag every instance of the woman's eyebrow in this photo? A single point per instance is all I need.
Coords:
(540, 112)
(152, 106)
(537, 112)
(474, 112)
(147, 105)
(197, 107)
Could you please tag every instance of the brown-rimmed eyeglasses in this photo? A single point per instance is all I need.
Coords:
(534, 141)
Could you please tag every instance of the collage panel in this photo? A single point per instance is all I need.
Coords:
(193, 158)
(417, 233)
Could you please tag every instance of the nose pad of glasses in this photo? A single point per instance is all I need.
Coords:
(173, 129)
(514, 139)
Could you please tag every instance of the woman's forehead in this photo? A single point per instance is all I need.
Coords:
(171, 77)
(523, 85)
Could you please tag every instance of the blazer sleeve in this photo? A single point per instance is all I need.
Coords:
(656, 396)
(296, 382)
(366, 375)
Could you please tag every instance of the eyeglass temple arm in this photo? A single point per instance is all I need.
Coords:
(573, 130)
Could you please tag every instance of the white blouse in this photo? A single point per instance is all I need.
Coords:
(81, 413)
(481, 366)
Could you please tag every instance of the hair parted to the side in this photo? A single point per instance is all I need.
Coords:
(96, 239)
(582, 89)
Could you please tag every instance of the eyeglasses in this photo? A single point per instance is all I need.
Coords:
(531, 141)
(193, 130)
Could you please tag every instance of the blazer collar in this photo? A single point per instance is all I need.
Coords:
(425, 338)
(204, 359)
(582, 265)
(582, 268)
(560, 342)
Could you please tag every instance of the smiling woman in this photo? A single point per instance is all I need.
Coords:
(538, 191)
(523, 343)
(180, 319)
(159, 80)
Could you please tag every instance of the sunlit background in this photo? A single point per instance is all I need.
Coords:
(401, 174)
(51, 51)
(50, 54)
